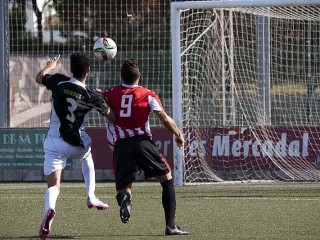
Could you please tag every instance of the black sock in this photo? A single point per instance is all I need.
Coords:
(120, 196)
(169, 202)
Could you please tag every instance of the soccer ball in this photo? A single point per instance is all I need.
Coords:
(105, 49)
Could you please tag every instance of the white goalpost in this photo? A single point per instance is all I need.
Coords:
(246, 93)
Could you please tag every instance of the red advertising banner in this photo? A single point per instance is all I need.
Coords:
(102, 153)
(263, 148)
(231, 148)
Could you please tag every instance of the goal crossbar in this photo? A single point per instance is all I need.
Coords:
(241, 3)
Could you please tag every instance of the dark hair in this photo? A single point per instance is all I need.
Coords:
(130, 71)
(80, 64)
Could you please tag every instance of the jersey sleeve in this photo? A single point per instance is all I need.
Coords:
(106, 96)
(51, 81)
(106, 93)
(155, 102)
(47, 80)
(97, 102)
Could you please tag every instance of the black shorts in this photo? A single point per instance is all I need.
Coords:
(134, 154)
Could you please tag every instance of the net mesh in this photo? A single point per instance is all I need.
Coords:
(250, 79)
(40, 31)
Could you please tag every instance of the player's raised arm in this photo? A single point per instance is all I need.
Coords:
(51, 65)
(109, 113)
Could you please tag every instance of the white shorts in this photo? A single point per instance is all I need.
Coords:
(57, 151)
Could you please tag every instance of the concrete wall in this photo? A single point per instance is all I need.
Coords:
(36, 175)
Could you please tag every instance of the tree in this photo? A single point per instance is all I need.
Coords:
(38, 13)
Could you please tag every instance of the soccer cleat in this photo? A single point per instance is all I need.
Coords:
(96, 203)
(175, 231)
(125, 208)
(45, 227)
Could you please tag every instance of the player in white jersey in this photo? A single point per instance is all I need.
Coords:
(134, 149)
(66, 138)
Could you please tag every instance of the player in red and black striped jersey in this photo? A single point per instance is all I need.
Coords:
(66, 138)
(134, 108)
(134, 149)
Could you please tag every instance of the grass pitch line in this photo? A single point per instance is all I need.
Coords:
(191, 197)
(256, 198)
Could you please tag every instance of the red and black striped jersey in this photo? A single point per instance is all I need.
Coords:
(132, 105)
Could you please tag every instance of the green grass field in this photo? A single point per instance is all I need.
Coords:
(217, 211)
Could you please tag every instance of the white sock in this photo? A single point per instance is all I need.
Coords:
(51, 196)
(89, 176)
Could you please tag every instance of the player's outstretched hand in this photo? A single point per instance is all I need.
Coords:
(179, 140)
(52, 63)
(98, 91)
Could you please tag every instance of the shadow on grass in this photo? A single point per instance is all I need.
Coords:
(133, 235)
(79, 237)
(37, 237)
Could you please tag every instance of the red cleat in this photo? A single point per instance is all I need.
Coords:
(45, 227)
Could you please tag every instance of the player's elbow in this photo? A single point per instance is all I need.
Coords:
(111, 116)
(39, 78)
(164, 118)
(112, 119)
(167, 121)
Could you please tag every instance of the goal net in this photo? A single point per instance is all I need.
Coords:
(246, 90)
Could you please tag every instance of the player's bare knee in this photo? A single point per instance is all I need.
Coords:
(165, 177)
